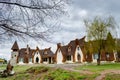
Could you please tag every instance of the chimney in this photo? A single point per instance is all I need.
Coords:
(77, 42)
(37, 48)
(58, 45)
(27, 49)
(49, 48)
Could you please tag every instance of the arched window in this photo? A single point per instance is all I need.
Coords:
(78, 48)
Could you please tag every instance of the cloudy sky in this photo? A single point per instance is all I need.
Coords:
(72, 25)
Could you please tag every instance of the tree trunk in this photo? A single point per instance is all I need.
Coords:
(98, 60)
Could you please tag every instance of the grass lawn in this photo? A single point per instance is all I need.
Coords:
(43, 73)
(112, 77)
(101, 68)
(28, 72)
(3, 66)
(95, 68)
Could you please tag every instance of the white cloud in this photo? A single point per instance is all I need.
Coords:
(83, 13)
(5, 53)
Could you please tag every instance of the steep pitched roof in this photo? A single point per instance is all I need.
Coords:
(15, 46)
(72, 46)
(82, 41)
(43, 51)
(64, 49)
(23, 52)
(49, 53)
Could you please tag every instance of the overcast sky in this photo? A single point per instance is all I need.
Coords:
(72, 25)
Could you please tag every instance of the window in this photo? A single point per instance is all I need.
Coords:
(30, 59)
(59, 50)
(78, 48)
(69, 49)
(45, 52)
(37, 53)
(20, 59)
(45, 59)
(95, 56)
(69, 58)
(107, 55)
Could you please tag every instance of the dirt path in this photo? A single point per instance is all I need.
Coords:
(71, 67)
(102, 74)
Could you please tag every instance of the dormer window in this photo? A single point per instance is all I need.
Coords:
(69, 49)
(45, 52)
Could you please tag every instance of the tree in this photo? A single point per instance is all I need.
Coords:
(30, 18)
(97, 31)
(117, 53)
(110, 43)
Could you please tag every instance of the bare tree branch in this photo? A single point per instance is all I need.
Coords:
(36, 19)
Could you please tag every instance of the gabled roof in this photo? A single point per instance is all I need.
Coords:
(72, 46)
(23, 52)
(64, 49)
(15, 46)
(82, 41)
(42, 52)
(49, 53)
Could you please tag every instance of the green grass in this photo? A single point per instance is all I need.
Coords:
(112, 77)
(98, 69)
(43, 73)
(20, 68)
(2, 66)
(102, 67)
(19, 72)
(60, 74)
(27, 72)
